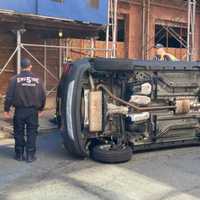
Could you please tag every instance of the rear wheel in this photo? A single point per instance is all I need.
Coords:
(108, 153)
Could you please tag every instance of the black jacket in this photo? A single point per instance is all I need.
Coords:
(25, 90)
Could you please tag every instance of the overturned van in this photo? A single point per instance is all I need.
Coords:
(112, 108)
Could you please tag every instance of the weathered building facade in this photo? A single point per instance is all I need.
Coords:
(144, 21)
(141, 24)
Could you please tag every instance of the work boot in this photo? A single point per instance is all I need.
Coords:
(19, 154)
(30, 156)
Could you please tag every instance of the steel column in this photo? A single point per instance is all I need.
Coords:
(92, 42)
(45, 65)
(114, 29)
(60, 59)
(18, 51)
(191, 29)
(108, 30)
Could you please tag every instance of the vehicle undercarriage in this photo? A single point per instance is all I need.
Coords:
(113, 107)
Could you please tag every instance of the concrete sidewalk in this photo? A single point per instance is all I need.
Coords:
(6, 127)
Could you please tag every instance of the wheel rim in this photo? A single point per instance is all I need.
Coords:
(111, 147)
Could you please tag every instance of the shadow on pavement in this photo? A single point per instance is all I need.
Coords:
(6, 151)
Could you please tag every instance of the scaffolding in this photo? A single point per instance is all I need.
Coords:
(191, 29)
(111, 27)
(65, 47)
(188, 43)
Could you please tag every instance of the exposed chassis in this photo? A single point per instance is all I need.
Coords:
(169, 119)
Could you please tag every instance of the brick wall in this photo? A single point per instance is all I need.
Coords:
(158, 11)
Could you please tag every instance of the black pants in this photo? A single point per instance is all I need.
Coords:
(25, 119)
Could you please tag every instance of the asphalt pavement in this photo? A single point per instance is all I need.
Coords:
(159, 175)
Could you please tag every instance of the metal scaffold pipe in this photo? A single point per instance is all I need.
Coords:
(111, 28)
(114, 28)
(191, 29)
(18, 51)
(107, 30)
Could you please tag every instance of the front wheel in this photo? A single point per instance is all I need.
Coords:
(74, 134)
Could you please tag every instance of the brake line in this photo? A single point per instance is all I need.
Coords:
(140, 109)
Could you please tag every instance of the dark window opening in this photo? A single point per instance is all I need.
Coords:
(120, 32)
(172, 37)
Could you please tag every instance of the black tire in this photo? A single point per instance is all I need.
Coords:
(73, 138)
(107, 155)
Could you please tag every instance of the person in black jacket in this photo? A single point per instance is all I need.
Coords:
(26, 94)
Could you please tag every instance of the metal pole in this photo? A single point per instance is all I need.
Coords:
(92, 47)
(143, 28)
(108, 30)
(45, 65)
(63, 47)
(175, 35)
(50, 73)
(114, 28)
(67, 49)
(60, 59)
(178, 37)
(8, 61)
(193, 26)
(189, 31)
(18, 51)
(53, 89)
(148, 25)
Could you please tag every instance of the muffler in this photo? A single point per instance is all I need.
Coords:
(182, 106)
(95, 111)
